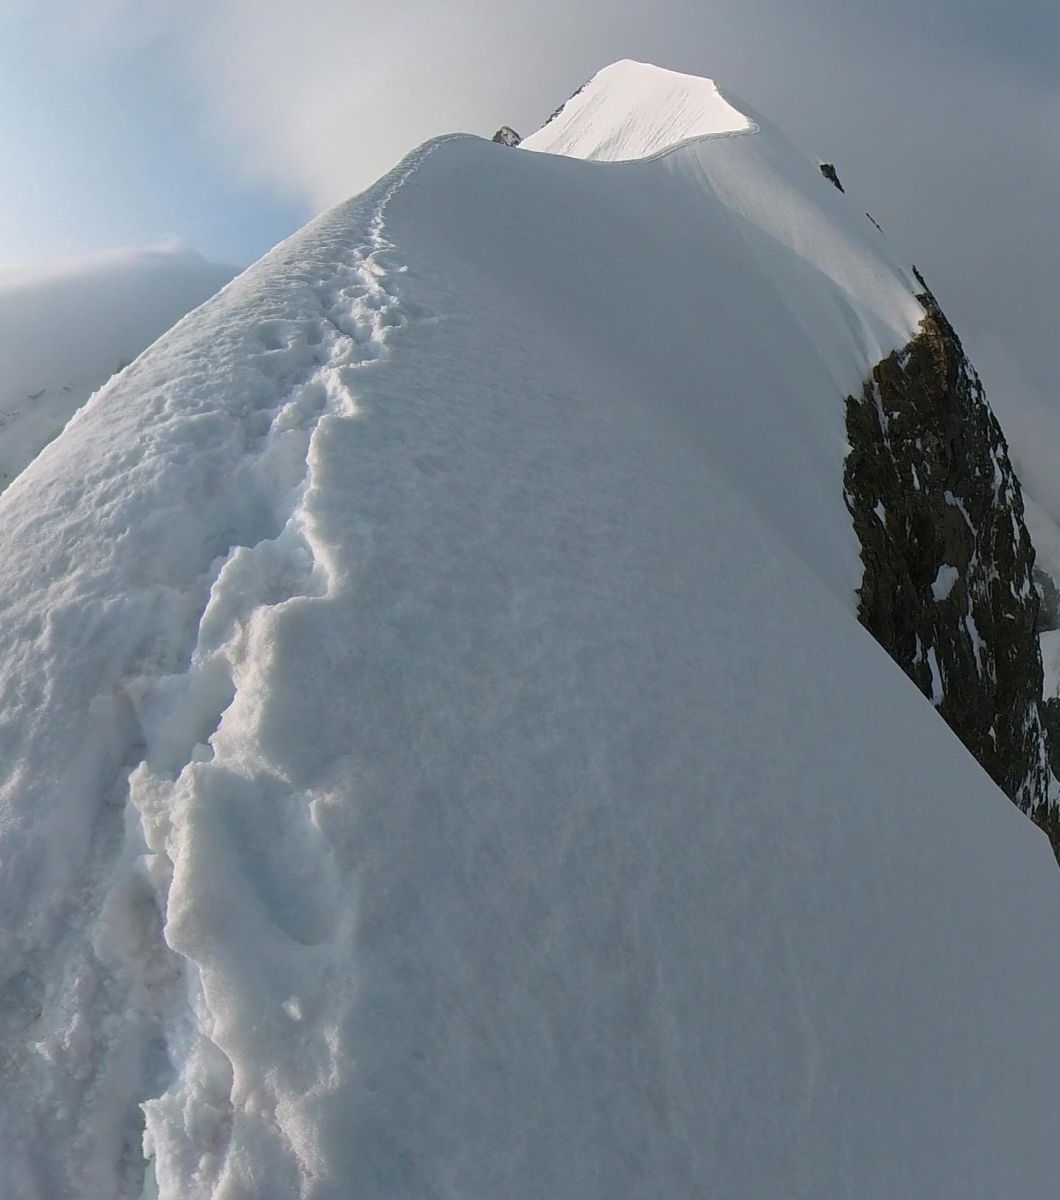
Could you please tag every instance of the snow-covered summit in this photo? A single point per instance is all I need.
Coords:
(439, 756)
(635, 110)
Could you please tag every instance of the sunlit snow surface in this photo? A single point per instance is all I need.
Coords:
(635, 110)
(439, 755)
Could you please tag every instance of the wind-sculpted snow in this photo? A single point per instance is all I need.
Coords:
(441, 758)
(633, 110)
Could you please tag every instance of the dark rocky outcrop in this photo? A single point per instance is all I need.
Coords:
(829, 172)
(948, 587)
(506, 136)
(555, 112)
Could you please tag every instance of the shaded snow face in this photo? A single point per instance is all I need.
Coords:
(66, 327)
(441, 755)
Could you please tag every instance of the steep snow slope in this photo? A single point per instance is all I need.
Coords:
(440, 757)
(634, 110)
(66, 327)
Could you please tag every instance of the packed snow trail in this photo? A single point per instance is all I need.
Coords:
(441, 759)
(111, 982)
(261, 823)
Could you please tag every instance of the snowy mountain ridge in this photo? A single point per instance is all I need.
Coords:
(440, 755)
(941, 453)
(633, 110)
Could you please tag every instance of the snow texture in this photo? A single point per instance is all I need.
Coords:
(440, 757)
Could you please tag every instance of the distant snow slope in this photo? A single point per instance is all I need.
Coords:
(439, 754)
(66, 327)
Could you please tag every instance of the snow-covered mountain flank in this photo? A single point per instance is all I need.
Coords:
(440, 755)
(66, 327)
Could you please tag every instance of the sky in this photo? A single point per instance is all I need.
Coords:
(225, 125)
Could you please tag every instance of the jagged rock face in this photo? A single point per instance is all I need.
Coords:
(577, 92)
(506, 136)
(948, 588)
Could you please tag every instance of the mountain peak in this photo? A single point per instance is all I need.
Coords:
(441, 755)
(633, 110)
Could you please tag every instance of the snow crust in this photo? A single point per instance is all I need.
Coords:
(67, 326)
(440, 757)
(635, 110)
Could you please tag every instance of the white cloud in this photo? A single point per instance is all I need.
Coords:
(324, 98)
(319, 98)
(117, 260)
